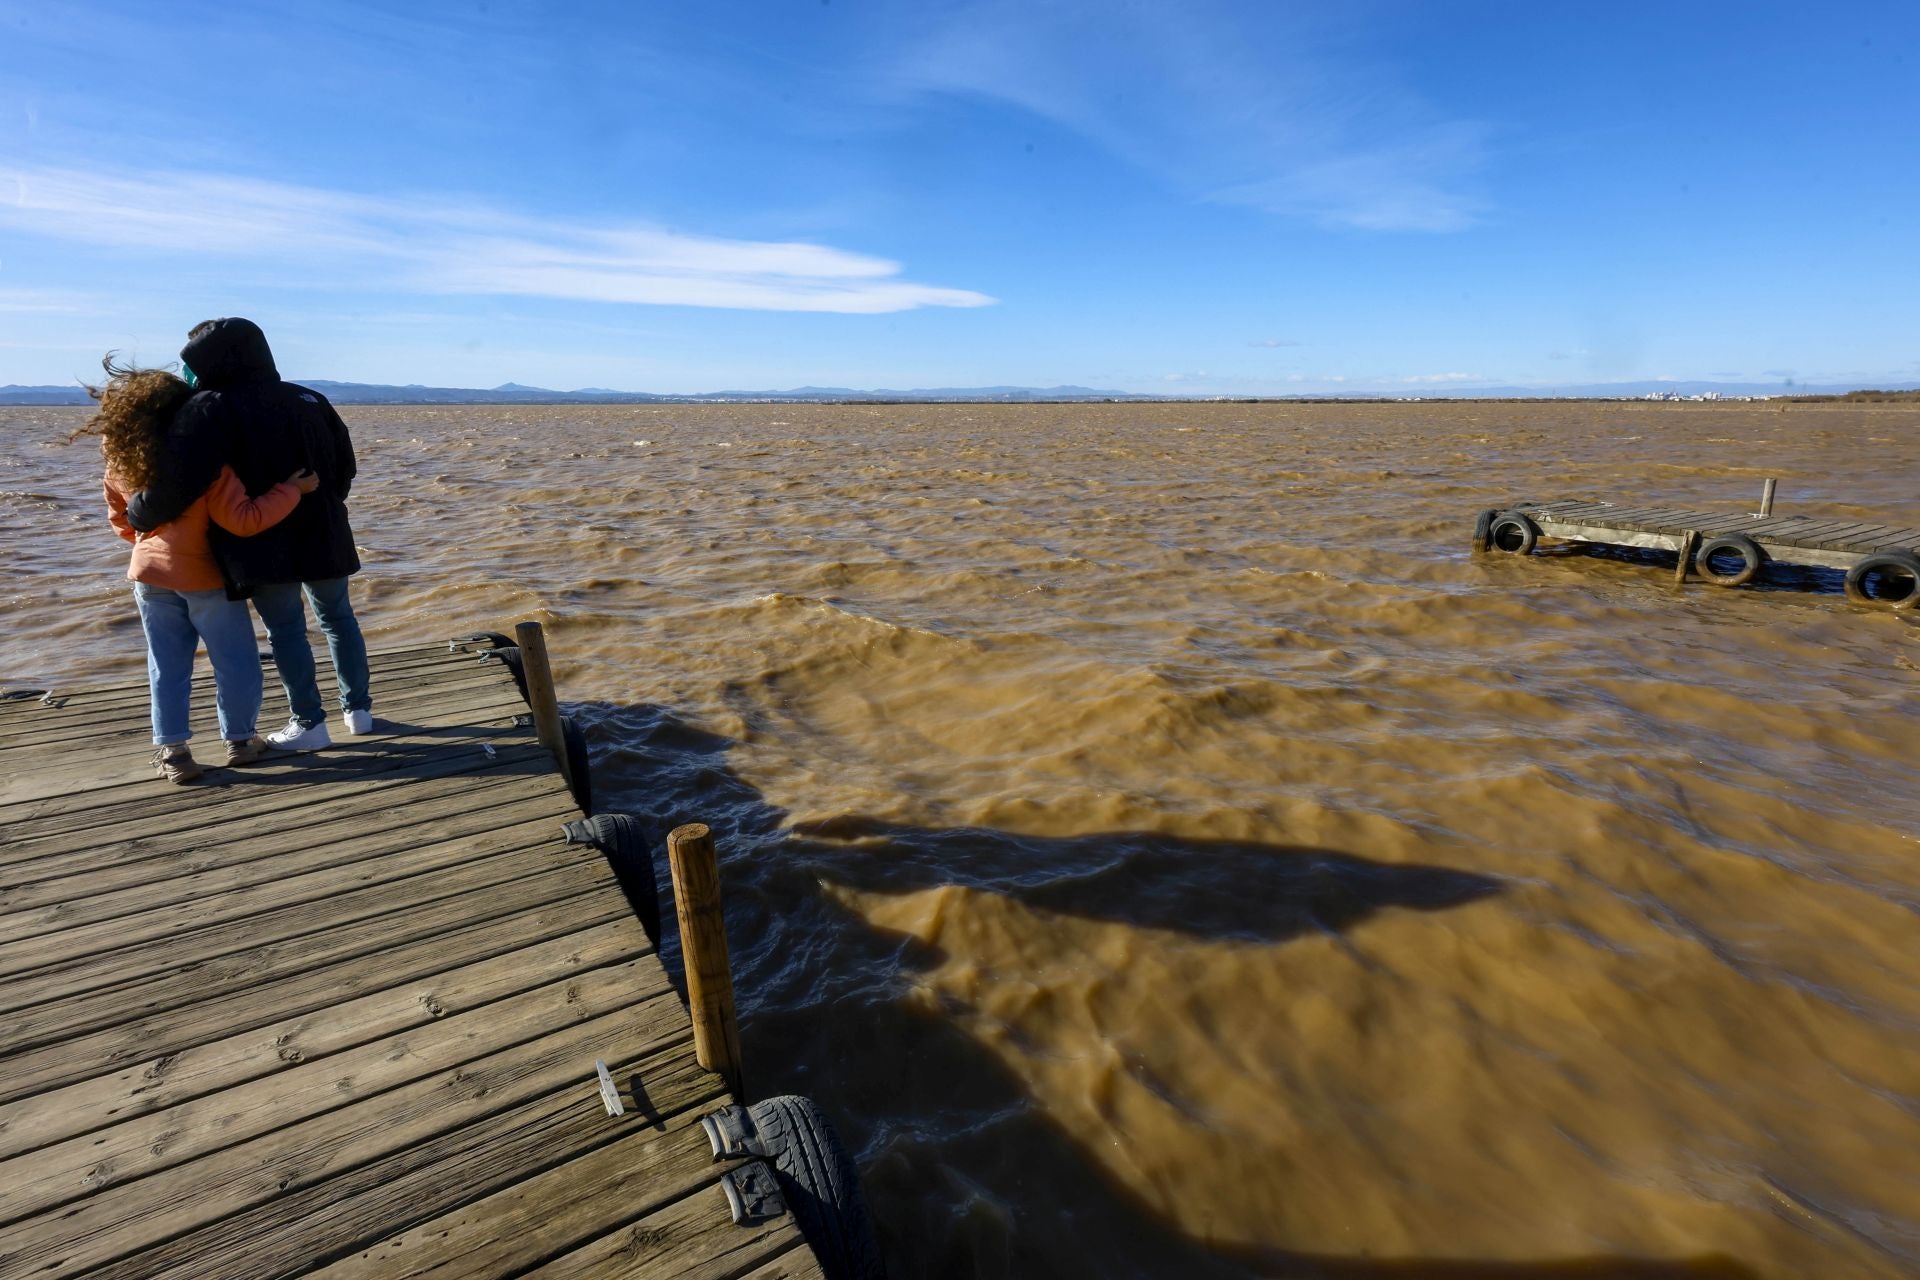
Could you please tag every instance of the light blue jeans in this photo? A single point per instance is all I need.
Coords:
(176, 622)
(282, 609)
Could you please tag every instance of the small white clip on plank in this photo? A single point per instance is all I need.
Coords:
(609, 1095)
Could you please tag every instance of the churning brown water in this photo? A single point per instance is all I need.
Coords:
(1166, 850)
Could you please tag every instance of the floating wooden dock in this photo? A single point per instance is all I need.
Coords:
(339, 1014)
(1882, 562)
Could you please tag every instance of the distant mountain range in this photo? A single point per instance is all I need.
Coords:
(515, 393)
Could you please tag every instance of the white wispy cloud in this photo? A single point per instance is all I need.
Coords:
(318, 238)
(1269, 106)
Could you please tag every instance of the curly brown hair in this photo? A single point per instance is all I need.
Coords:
(136, 405)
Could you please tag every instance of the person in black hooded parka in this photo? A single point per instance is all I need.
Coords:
(244, 416)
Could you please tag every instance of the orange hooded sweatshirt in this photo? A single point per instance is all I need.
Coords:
(176, 555)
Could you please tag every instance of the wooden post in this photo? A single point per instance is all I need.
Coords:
(1766, 497)
(703, 949)
(1689, 543)
(546, 708)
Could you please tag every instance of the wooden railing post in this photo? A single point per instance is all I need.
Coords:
(703, 950)
(546, 707)
(1766, 496)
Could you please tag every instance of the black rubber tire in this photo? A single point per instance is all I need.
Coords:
(1512, 527)
(511, 656)
(820, 1185)
(1884, 564)
(1482, 527)
(623, 838)
(578, 763)
(1752, 559)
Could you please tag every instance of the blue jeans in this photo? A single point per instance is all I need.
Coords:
(176, 622)
(280, 607)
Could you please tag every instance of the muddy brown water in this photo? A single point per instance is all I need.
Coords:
(1166, 850)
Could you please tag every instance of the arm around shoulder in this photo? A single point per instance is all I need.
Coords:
(229, 506)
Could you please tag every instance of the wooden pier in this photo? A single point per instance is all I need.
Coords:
(340, 1014)
(1882, 562)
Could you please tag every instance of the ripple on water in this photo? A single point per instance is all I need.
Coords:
(1166, 850)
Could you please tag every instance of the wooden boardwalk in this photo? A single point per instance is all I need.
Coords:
(1835, 544)
(338, 1014)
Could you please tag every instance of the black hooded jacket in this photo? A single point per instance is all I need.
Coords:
(244, 416)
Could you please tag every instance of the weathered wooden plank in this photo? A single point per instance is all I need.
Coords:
(1622, 517)
(690, 1239)
(118, 745)
(123, 1216)
(434, 804)
(135, 1148)
(266, 789)
(173, 1013)
(1809, 531)
(115, 921)
(179, 832)
(800, 1264)
(293, 972)
(1774, 526)
(164, 1080)
(434, 716)
(641, 1175)
(1871, 536)
(113, 773)
(1570, 509)
(1855, 536)
(159, 906)
(377, 659)
(78, 704)
(514, 878)
(134, 693)
(131, 730)
(127, 733)
(319, 1220)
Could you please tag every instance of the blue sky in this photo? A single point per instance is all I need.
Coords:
(1173, 197)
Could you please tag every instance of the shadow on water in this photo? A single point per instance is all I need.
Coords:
(965, 1171)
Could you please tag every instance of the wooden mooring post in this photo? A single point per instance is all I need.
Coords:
(1766, 497)
(1689, 544)
(540, 695)
(703, 950)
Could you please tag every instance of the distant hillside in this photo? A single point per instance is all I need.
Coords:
(515, 393)
(44, 395)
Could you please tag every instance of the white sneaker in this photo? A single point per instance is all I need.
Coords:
(301, 737)
(358, 722)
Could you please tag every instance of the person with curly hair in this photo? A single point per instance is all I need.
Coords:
(178, 585)
(245, 416)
